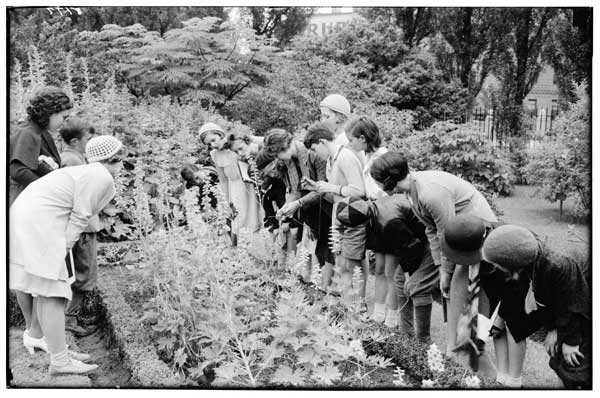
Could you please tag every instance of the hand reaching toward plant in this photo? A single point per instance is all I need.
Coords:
(550, 342)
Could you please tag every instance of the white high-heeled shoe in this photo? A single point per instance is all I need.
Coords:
(32, 343)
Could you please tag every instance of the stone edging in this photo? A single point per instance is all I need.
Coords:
(147, 370)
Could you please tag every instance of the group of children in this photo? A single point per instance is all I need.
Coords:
(345, 190)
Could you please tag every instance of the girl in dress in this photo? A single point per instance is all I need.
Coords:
(46, 220)
(238, 193)
(364, 137)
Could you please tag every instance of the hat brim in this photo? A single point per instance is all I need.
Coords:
(460, 257)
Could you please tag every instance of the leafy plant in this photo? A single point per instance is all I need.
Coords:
(204, 61)
(562, 166)
(460, 150)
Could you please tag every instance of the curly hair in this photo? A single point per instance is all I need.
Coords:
(277, 141)
(46, 102)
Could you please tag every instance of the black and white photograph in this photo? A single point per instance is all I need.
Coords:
(286, 197)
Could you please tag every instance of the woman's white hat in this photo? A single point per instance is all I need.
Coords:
(210, 127)
(337, 103)
(102, 147)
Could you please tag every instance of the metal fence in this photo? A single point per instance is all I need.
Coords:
(494, 124)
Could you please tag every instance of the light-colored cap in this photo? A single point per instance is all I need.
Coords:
(102, 147)
(337, 103)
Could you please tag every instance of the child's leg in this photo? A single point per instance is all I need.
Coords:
(391, 264)
(458, 298)
(381, 286)
(381, 289)
(516, 358)
(423, 305)
(405, 304)
(292, 237)
(364, 277)
(326, 275)
(347, 266)
(501, 349)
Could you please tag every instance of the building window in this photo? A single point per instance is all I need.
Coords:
(532, 106)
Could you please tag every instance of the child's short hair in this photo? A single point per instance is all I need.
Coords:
(277, 141)
(368, 129)
(318, 131)
(388, 169)
(75, 128)
(188, 170)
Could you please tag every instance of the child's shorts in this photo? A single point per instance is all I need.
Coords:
(353, 241)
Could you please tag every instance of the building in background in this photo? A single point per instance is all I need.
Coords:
(328, 19)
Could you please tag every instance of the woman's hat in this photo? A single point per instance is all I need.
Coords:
(337, 103)
(352, 211)
(206, 127)
(463, 238)
(510, 246)
(102, 147)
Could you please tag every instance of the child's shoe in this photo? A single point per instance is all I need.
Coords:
(391, 319)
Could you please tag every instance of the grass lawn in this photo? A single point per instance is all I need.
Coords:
(542, 217)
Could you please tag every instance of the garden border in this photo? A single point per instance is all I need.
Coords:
(147, 369)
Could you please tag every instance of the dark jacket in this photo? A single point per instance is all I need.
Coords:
(394, 229)
(562, 290)
(27, 143)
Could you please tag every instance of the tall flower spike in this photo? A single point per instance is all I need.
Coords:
(335, 239)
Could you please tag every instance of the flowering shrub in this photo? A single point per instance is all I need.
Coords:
(426, 365)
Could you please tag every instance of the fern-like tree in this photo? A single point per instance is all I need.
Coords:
(206, 60)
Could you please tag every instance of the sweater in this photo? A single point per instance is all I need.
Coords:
(436, 197)
(27, 143)
(562, 289)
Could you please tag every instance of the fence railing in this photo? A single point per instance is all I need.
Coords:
(494, 124)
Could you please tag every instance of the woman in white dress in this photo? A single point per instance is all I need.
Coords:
(46, 220)
(233, 177)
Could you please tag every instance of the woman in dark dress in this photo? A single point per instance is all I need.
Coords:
(33, 152)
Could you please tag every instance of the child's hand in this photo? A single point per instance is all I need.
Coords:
(550, 342)
(285, 227)
(570, 353)
(445, 279)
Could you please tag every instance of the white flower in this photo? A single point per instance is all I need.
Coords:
(357, 349)
(472, 382)
(427, 383)
(435, 359)
(399, 382)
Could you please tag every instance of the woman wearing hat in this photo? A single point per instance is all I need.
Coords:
(335, 113)
(558, 297)
(45, 222)
(436, 197)
(461, 243)
(394, 231)
(240, 195)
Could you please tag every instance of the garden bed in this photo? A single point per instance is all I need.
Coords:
(212, 316)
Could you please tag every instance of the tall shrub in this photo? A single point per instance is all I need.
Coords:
(562, 165)
(460, 150)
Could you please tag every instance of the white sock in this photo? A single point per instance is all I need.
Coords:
(514, 382)
(501, 377)
(391, 318)
(60, 359)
